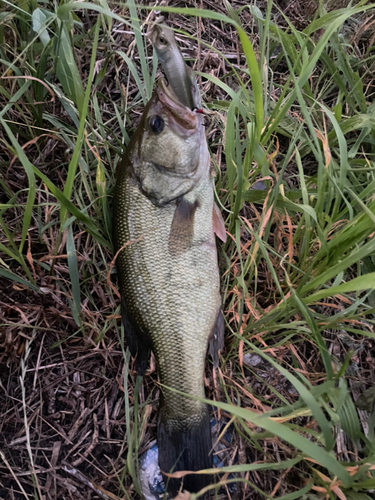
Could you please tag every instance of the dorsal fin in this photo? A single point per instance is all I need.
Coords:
(218, 223)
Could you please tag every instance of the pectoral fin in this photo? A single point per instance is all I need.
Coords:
(218, 223)
(182, 228)
(216, 340)
(138, 342)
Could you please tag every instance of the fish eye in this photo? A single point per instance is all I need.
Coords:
(156, 123)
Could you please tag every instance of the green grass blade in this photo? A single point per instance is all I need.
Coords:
(330, 273)
(67, 70)
(140, 46)
(365, 282)
(307, 447)
(135, 75)
(32, 184)
(77, 150)
(68, 205)
(256, 79)
(18, 279)
(74, 275)
(305, 394)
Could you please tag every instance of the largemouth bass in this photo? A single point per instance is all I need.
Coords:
(164, 222)
(179, 75)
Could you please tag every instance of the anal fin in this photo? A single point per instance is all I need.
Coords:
(138, 341)
(182, 227)
(216, 340)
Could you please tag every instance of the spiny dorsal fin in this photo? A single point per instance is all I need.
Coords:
(182, 228)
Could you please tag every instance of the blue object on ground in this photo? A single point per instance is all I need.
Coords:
(151, 480)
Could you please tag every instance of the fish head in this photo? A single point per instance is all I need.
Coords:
(172, 135)
(168, 153)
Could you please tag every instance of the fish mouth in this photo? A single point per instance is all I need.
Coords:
(182, 114)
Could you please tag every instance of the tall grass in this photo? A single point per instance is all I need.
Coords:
(298, 269)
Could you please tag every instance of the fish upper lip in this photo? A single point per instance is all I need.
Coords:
(168, 91)
(182, 114)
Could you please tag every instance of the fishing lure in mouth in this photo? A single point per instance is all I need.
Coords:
(180, 77)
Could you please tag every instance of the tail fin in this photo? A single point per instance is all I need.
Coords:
(185, 445)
